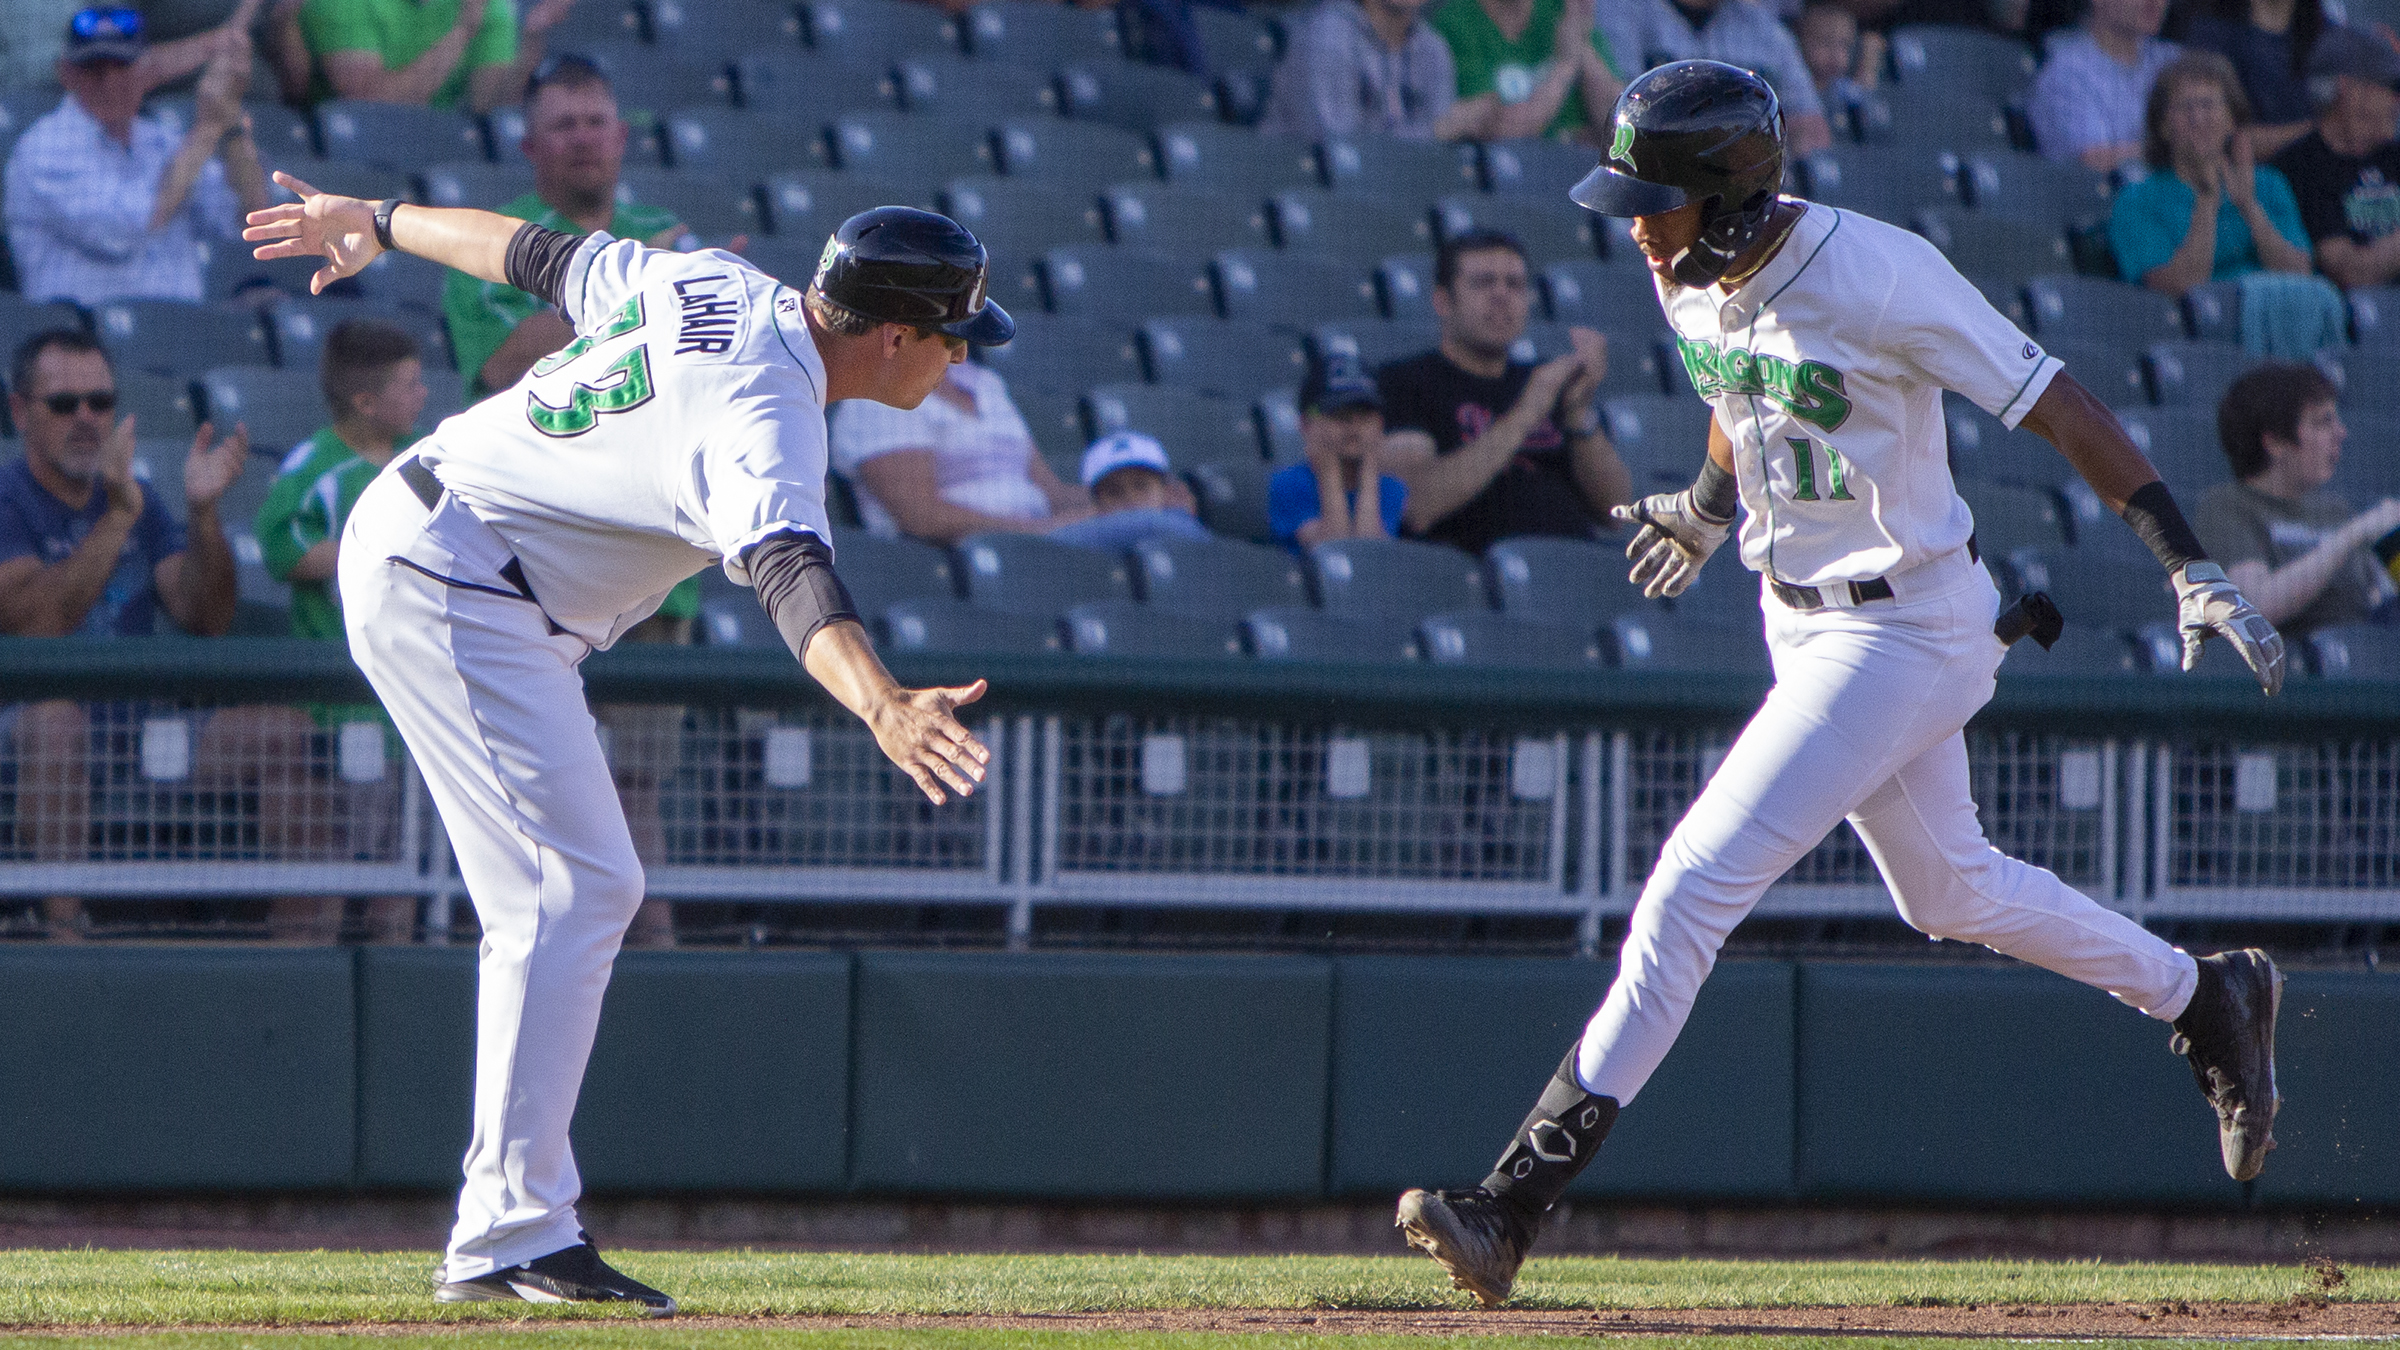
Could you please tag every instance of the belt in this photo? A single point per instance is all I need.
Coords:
(429, 490)
(1860, 592)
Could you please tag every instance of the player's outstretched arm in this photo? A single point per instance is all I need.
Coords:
(342, 231)
(917, 728)
(2207, 605)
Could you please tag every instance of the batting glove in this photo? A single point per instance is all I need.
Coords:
(2207, 605)
(1675, 539)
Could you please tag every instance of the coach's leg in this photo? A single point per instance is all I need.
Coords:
(492, 708)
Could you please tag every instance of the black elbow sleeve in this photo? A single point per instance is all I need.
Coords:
(537, 261)
(797, 586)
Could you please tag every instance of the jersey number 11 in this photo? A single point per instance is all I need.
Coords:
(1805, 473)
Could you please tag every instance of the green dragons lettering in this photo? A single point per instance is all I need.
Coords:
(1811, 391)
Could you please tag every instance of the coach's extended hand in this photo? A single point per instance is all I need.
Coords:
(915, 727)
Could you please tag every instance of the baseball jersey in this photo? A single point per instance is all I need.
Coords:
(684, 423)
(310, 498)
(1826, 370)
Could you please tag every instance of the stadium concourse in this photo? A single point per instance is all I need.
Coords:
(1173, 270)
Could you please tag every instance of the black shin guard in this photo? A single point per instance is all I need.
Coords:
(1555, 1143)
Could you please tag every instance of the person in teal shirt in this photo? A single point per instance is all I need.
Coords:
(2206, 211)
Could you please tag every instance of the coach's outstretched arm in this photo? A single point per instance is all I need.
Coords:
(342, 231)
(2089, 435)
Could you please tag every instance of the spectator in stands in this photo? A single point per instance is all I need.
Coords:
(1526, 68)
(2087, 101)
(87, 549)
(1365, 67)
(1135, 496)
(2294, 548)
(1844, 63)
(2206, 211)
(105, 204)
(2346, 170)
(1341, 434)
(471, 55)
(962, 462)
(2269, 43)
(1646, 33)
(1492, 447)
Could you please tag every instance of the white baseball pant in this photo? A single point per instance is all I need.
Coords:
(1864, 722)
(492, 708)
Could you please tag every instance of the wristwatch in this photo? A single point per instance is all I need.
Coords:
(383, 223)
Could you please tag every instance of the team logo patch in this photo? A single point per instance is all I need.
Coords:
(2032, 352)
(1622, 147)
(833, 249)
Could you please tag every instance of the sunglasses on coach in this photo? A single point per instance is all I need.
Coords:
(116, 23)
(63, 405)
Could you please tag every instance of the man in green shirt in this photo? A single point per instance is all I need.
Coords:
(466, 54)
(1532, 67)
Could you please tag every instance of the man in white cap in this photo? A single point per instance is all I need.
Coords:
(1135, 493)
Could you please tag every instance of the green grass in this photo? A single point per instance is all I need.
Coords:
(94, 1289)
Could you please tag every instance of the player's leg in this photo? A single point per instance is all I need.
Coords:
(1950, 882)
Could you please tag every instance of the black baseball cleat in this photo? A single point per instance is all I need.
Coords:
(574, 1275)
(1475, 1237)
(2228, 1034)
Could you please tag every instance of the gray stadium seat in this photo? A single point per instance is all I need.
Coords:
(1026, 33)
(1055, 417)
(2100, 310)
(1350, 225)
(1548, 232)
(1122, 628)
(954, 626)
(445, 396)
(1127, 284)
(2113, 372)
(176, 338)
(913, 149)
(1219, 158)
(1397, 578)
(1066, 353)
(369, 182)
(158, 463)
(1994, 246)
(2370, 466)
(1279, 425)
(651, 80)
(403, 279)
(1930, 118)
(1232, 496)
(1538, 168)
(1980, 446)
(1173, 219)
(1085, 156)
(1234, 39)
(2213, 311)
(1017, 219)
(714, 27)
(2194, 374)
(467, 182)
(2375, 316)
(2181, 443)
(1195, 428)
(730, 615)
(299, 328)
(1952, 59)
(1608, 295)
(1493, 641)
(1376, 343)
(1136, 97)
(1220, 579)
(1027, 574)
(882, 572)
(21, 318)
(281, 407)
(810, 205)
(1220, 356)
(1673, 644)
(713, 207)
(863, 31)
(598, 21)
(2032, 188)
(1573, 583)
(2084, 650)
(163, 403)
(2098, 596)
(1661, 437)
(1404, 170)
(724, 142)
(1261, 287)
(2161, 646)
(959, 88)
(1289, 634)
(395, 136)
(802, 91)
(286, 138)
(2367, 651)
(1404, 283)
(1890, 183)
(2010, 516)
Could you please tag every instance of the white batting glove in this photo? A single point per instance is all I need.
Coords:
(1675, 539)
(2207, 605)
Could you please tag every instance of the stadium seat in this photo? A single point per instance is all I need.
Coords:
(2084, 651)
(172, 337)
(1194, 427)
(162, 404)
(403, 279)
(2159, 645)
(280, 407)
(1609, 296)
(1671, 644)
(1376, 343)
(908, 148)
(1278, 413)
(809, 205)
(1235, 39)
(2031, 188)
(1232, 496)
(1262, 287)
(727, 142)
(1086, 156)
(1218, 158)
(1217, 356)
(801, 91)
(1661, 437)
(21, 318)
(598, 21)
(1404, 285)
(1055, 417)
(2010, 516)
(2193, 374)
(1724, 595)
(1932, 118)
(1351, 225)
(2367, 651)
(2370, 465)
(1890, 183)
(1028, 33)
(158, 462)
(1136, 97)
(1016, 219)
(1027, 574)
(959, 88)
(1538, 168)
(713, 207)
(227, 268)
(2096, 596)
(1218, 579)
(395, 136)
(1285, 633)
(285, 136)
(730, 615)
(2375, 316)
(1550, 233)
(1993, 246)
(882, 572)
(1404, 170)
(2181, 443)
(300, 326)
(1121, 283)
(1572, 583)
(875, 31)
(2113, 372)
(467, 182)
(2100, 310)
(701, 27)
(1493, 641)
(1063, 352)
(1187, 220)
(1396, 578)
(953, 626)
(1961, 60)
(1122, 628)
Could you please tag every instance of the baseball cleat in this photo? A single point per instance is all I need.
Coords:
(2228, 1034)
(1479, 1240)
(574, 1275)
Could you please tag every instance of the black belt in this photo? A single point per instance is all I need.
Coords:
(1809, 597)
(429, 490)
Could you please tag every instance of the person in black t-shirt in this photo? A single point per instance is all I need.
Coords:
(2346, 170)
(1490, 447)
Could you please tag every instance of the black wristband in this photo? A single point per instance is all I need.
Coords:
(383, 223)
(2153, 514)
(1716, 493)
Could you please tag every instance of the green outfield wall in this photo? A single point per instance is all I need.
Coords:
(1045, 1076)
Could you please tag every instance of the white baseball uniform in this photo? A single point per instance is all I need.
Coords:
(685, 423)
(1826, 369)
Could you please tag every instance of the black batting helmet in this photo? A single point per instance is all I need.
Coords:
(1694, 131)
(902, 265)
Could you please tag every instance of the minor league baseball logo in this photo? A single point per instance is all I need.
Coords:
(1622, 147)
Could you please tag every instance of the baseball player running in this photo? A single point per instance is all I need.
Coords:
(1823, 340)
(684, 427)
